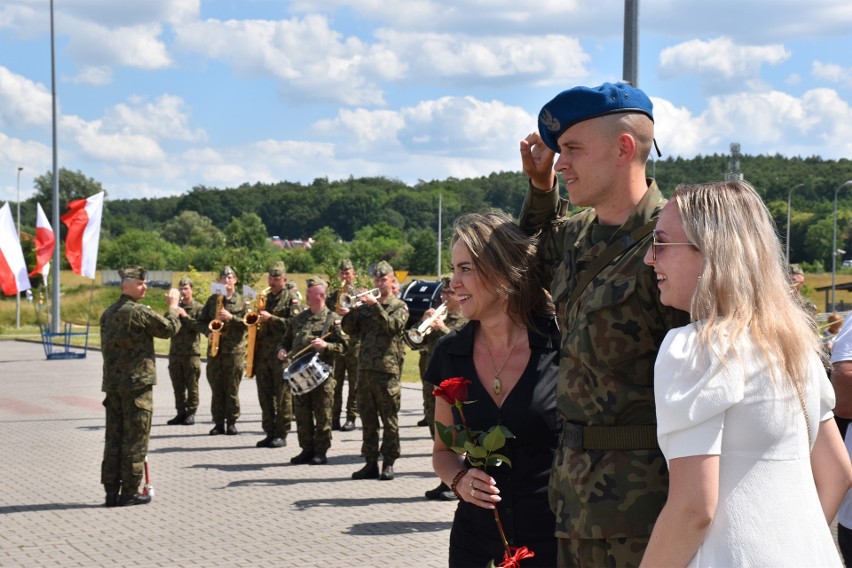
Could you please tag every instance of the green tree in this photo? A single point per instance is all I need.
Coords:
(145, 248)
(247, 231)
(189, 228)
(380, 242)
(423, 254)
(72, 186)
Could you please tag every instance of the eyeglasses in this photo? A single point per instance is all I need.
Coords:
(655, 243)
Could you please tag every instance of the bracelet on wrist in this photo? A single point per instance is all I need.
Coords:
(456, 479)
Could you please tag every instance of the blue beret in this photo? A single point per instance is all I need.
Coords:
(582, 103)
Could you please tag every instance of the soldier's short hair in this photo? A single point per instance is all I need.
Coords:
(185, 281)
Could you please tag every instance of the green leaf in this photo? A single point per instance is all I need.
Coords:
(445, 433)
(475, 451)
(506, 432)
(497, 459)
(494, 440)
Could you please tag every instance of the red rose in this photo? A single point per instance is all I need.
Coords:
(453, 390)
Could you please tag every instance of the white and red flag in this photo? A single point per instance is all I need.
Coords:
(45, 241)
(13, 267)
(84, 232)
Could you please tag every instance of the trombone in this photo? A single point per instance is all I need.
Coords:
(416, 335)
(349, 302)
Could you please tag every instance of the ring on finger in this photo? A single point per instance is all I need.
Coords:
(472, 491)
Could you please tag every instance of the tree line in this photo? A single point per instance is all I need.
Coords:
(376, 218)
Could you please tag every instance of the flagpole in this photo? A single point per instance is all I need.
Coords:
(54, 304)
(18, 295)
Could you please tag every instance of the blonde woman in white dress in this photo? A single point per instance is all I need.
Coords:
(757, 465)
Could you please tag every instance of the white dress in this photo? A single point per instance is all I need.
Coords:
(768, 512)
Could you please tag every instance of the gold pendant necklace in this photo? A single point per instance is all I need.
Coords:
(497, 384)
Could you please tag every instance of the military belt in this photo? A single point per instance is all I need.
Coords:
(637, 437)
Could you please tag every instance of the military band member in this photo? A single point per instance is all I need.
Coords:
(317, 328)
(128, 329)
(185, 357)
(346, 365)
(276, 400)
(378, 324)
(225, 370)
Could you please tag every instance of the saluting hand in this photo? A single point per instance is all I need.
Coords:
(537, 162)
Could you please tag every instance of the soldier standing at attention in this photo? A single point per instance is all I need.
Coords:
(276, 400)
(185, 357)
(128, 329)
(378, 325)
(345, 364)
(225, 370)
(609, 480)
(313, 408)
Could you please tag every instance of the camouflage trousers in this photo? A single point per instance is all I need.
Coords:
(184, 372)
(224, 374)
(593, 552)
(379, 398)
(128, 429)
(313, 417)
(345, 366)
(275, 398)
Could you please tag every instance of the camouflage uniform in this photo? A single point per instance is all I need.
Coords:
(225, 370)
(128, 329)
(379, 329)
(276, 400)
(610, 338)
(185, 361)
(345, 368)
(451, 322)
(313, 409)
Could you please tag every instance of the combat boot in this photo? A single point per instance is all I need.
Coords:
(319, 459)
(387, 472)
(335, 423)
(348, 426)
(369, 471)
(135, 499)
(219, 428)
(232, 430)
(264, 443)
(303, 457)
(189, 420)
(177, 419)
(111, 496)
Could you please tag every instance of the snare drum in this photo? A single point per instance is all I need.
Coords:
(306, 373)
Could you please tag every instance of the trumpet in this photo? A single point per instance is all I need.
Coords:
(252, 322)
(349, 302)
(416, 335)
(215, 327)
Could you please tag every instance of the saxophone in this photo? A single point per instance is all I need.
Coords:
(252, 321)
(215, 327)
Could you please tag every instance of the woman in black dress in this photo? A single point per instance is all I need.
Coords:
(509, 353)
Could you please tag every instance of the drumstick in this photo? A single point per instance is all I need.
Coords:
(303, 350)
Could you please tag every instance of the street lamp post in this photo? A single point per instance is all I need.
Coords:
(789, 195)
(834, 241)
(18, 295)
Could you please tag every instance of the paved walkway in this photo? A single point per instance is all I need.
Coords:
(219, 501)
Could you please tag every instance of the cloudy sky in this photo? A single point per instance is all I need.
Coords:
(158, 96)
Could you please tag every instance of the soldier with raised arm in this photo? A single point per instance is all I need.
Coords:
(185, 357)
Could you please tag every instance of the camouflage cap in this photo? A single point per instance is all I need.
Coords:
(446, 282)
(796, 269)
(291, 285)
(277, 269)
(383, 268)
(346, 264)
(185, 281)
(315, 281)
(227, 271)
(133, 271)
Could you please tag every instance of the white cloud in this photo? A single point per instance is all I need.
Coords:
(22, 101)
(719, 63)
(102, 145)
(133, 46)
(308, 58)
(96, 75)
(166, 117)
(832, 73)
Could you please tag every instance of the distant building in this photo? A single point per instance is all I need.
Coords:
(291, 244)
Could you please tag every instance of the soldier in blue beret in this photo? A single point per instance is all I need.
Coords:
(609, 481)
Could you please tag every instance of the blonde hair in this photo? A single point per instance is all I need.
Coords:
(505, 256)
(744, 284)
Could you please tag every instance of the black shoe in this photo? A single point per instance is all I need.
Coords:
(302, 458)
(423, 422)
(232, 430)
(441, 493)
(189, 420)
(135, 499)
(217, 429)
(277, 442)
(111, 500)
(348, 427)
(335, 424)
(177, 419)
(264, 443)
(369, 471)
(319, 459)
(387, 472)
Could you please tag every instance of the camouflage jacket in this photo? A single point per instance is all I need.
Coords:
(232, 337)
(450, 323)
(308, 325)
(610, 338)
(352, 343)
(128, 329)
(283, 308)
(187, 341)
(379, 330)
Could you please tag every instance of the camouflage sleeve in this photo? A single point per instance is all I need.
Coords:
(154, 324)
(540, 208)
(286, 339)
(394, 316)
(205, 315)
(543, 214)
(349, 323)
